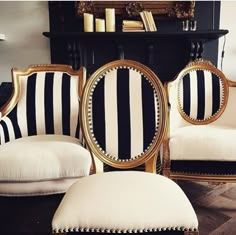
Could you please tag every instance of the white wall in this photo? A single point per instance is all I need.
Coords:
(227, 21)
(23, 23)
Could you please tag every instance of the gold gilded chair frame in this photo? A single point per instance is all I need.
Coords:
(201, 64)
(14, 98)
(198, 64)
(150, 156)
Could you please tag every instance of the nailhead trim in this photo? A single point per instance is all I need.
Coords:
(90, 121)
(145, 230)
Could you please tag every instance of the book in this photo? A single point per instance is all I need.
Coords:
(144, 21)
(153, 24)
(148, 21)
(132, 26)
(133, 30)
(132, 23)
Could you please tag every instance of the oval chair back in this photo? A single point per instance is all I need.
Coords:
(124, 114)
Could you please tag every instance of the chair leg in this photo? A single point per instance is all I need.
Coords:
(166, 159)
(191, 232)
(166, 172)
(150, 165)
(59, 233)
(98, 164)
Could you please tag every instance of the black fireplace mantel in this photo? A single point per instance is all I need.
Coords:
(202, 35)
(158, 50)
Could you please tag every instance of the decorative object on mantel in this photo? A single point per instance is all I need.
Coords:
(184, 9)
(110, 19)
(84, 7)
(162, 9)
(193, 25)
(185, 25)
(2, 37)
(132, 26)
(100, 25)
(134, 8)
(88, 22)
(148, 20)
(189, 25)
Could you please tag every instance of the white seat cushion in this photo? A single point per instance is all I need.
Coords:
(49, 187)
(124, 202)
(203, 142)
(43, 158)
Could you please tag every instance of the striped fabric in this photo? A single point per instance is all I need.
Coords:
(124, 113)
(48, 104)
(200, 94)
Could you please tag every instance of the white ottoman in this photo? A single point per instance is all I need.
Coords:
(125, 202)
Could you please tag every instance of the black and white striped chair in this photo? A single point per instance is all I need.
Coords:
(124, 123)
(40, 148)
(202, 125)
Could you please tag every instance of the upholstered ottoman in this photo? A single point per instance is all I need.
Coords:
(124, 202)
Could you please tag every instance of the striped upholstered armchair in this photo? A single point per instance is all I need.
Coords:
(40, 136)
(201, 141)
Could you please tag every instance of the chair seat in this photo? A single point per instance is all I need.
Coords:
(206, 142)
(43, 158)
(124, 202)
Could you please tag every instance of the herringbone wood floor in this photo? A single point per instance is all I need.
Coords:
(215, 206)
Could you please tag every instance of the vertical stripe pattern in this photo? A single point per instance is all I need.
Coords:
(136, 113)
(149, 114)
(99, 114)
(40, 117)
(65, 101)
(110, 102)
(124, 115)
(49, 104)
(57, 106)
(123, 106)
(30, 104)
(200, 94)
(74, 106)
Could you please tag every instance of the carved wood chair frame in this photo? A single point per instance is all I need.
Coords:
(149, 157)
(14, 98)
(195, 65)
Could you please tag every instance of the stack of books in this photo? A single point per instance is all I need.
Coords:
(148, 21)
(132, 26)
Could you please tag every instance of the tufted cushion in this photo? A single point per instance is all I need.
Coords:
(42, 158)
(208, 142)
(124, 202)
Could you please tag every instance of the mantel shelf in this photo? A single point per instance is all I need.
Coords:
(203, 35)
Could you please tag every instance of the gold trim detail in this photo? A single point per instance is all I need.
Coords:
(197, 65)
(163, 9)
(86, 117)
(14, 98)
(91, 121)
(150, 165)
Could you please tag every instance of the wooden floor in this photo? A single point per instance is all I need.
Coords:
(215, 206)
